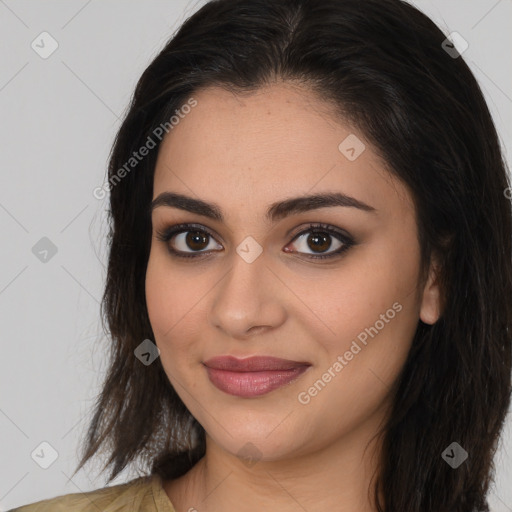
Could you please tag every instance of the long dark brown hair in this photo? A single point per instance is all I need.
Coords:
(382, 65)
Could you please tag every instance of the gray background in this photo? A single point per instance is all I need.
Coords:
(58, 119)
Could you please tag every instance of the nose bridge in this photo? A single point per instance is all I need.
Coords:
(246, 297)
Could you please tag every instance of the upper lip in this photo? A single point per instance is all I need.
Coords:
(252, 364)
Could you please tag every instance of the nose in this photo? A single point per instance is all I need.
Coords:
(249, 300)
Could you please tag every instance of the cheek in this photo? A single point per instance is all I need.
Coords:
(167, 299)
(167, 293)
(175, 309)
(159, 296)
(361, 293)
(374, 316)
(372, 311)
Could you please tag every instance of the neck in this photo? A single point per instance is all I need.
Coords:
(336, 477)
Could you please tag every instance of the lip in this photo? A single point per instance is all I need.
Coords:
(252, 376)
(252, 364)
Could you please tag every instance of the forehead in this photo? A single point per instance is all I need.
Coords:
(249, 150)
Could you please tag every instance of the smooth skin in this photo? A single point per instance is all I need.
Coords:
(243, 153)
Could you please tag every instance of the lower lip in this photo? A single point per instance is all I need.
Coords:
(250, 384)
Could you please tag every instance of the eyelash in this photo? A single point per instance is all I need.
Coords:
(168, 233)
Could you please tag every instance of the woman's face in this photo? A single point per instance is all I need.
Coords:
(254, 287)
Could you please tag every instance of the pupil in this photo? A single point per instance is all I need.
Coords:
(321, 241)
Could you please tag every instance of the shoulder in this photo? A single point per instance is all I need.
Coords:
(143, 494)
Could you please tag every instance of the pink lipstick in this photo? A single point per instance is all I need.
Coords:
(253, 376)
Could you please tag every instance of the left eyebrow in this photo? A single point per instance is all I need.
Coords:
(275, 212)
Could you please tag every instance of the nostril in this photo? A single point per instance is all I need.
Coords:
(257, 329)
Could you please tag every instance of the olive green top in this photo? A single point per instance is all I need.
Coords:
(144, 494)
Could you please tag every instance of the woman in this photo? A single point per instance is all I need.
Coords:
(310, 269)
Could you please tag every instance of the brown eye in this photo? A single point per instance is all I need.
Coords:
(318, 239)
(187, 241)
(192, 240)
(317, 242)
